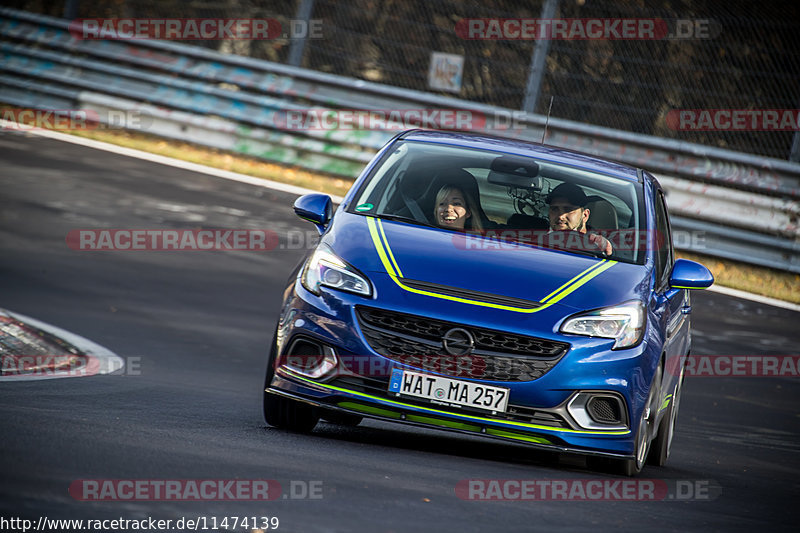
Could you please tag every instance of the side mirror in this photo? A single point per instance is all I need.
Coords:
(315, 208)
(690, 275)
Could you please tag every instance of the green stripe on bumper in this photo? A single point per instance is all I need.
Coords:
(466, 417)
(516, 436)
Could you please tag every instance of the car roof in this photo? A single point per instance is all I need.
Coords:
(523, 148)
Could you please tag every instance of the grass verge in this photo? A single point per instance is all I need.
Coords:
(758, 280)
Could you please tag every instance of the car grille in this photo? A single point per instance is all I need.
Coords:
(417, 341)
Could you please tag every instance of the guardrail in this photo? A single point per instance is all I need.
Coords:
(745, 206)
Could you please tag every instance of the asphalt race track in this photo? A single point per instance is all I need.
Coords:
(196, 325)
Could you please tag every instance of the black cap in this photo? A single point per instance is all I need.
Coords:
(571, 192)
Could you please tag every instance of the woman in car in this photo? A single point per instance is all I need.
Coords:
(454, 209)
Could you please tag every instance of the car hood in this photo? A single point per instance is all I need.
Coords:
(436, 260)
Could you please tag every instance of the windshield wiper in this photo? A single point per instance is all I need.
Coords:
(593, 253)
(581, 251)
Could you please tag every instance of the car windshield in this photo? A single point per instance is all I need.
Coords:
(504, 198)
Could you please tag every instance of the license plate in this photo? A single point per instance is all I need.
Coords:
(446, 391)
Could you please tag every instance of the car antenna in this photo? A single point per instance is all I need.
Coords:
(546, 122)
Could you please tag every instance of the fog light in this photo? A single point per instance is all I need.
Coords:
(310, 359)
(598, 410)
(604, 409)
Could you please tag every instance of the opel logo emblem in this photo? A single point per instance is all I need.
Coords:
(458, 341)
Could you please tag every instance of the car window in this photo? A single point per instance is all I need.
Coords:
(663, 242)
(510, 197)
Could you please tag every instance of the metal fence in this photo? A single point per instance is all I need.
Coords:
(745, 206)
(748, 59)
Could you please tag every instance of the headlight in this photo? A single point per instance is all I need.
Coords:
(325, 268)
(624, 323)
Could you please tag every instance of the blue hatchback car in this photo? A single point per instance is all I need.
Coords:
(491, 287)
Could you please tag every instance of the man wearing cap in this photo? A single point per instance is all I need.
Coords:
(568, 212)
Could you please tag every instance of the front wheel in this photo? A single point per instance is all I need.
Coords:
(631, 467)
(666, 430)
(289, 414)
(281, 412)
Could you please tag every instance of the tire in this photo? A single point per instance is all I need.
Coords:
(631, 467)
(285, 413)
(659, 452)
(289, 414)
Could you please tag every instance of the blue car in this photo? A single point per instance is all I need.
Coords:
(491, 287)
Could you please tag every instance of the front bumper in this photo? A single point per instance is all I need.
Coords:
(537, 413)
(333, 398)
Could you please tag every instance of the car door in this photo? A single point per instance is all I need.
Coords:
(672, 304)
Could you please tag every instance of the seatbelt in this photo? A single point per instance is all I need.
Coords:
(413, 207)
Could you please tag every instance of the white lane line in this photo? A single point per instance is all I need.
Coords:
(101, 359)
(169, 161)
(736, 293)
(224, 174)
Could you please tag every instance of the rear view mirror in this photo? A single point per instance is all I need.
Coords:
(518, 172)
